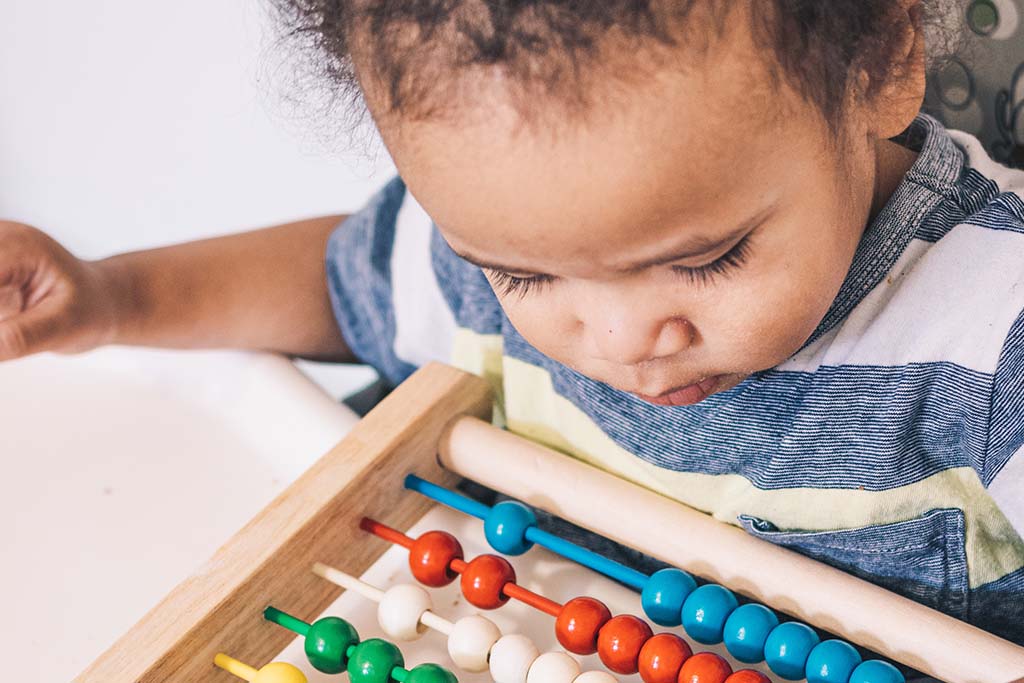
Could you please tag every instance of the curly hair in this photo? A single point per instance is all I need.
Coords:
(418, 48)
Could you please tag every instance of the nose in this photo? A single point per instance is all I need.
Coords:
(627, 336)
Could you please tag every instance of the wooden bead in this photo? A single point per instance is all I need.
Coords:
(511, 657)
(430, 558)
(506, 526)
(275, 672)
(578, 624)
(619, 642)
(746, 631)
(327, 642)
(663, 595)
(662, 657)
(705, 612)
(595, 677)
(748, 676)
(372, 661)
(483, 578)
(705, 667)
(400, 609)
(875, 671)
(470, 642)
(430, 673)
(788, 647)
(831, 661)
(279, 672)
(553, 667)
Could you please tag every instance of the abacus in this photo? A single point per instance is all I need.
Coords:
(275, 576)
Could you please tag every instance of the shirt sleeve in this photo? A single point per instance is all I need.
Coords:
(383, 288)
(1003, 472)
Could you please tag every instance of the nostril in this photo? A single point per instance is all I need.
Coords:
(675, 336)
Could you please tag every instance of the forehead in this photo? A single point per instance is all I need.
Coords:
(679, 149)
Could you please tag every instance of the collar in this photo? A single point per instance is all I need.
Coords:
(931, 179)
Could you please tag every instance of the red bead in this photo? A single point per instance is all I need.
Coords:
(430, 558)
(578, 624)
(748, 676)
(662, 657)
(483, 578)
(619, 642)
(705, 667)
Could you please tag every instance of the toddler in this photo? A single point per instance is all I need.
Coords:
(710, 246)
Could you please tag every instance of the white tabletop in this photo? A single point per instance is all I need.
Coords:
(122, 471)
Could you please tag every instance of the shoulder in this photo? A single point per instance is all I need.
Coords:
(432, 284)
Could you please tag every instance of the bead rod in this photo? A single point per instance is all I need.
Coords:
(458, 566)
(233, 666)
(385, 532)
(599, 563)
(291, 623)
(349, 582)
(450, 498)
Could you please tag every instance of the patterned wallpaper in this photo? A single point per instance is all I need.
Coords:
(980, 89)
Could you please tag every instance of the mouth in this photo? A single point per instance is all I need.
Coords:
(686, 395)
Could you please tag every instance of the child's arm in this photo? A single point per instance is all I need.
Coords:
(264, 289)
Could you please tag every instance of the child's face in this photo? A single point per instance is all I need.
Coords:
(691, 232)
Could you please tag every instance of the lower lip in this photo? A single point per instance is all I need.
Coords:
(685, 396)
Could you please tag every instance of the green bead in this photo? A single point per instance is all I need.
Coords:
(430, 673)
(326, 643)
(373, 660)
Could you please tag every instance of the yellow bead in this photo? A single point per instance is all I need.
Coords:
(279, 672)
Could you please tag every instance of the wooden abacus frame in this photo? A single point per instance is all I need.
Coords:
(442, 411)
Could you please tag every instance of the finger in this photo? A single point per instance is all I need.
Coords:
(12, 300)
(37, 329)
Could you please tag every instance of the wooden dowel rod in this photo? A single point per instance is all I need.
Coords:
(894, 626)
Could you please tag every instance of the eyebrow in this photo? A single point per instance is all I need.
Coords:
(698, 245)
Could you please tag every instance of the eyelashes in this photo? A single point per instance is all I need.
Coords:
(507, 284)
(724, 265)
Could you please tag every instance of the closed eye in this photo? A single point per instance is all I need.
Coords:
(508, 284)
(724, 265)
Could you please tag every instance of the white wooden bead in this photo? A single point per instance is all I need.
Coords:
(400, 610)
(470, 642)
(595, 677)
(553, 667)
(511, 658)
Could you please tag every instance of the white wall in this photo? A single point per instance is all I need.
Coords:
(128, 124)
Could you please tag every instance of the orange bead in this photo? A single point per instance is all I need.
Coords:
(662, 657)
(619, 642)
(483, 578)
(748, 676)
(430, 558)
(578, 624)
(705, 667)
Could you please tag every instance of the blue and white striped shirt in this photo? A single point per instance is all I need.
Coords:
(891, 445)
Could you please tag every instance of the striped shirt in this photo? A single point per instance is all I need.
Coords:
(891, 445)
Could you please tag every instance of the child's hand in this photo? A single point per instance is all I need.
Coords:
(49, 299)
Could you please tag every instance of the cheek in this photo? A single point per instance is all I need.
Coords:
(544, 321)
(798, 293)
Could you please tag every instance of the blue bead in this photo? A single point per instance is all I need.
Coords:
(664, 594)
(505, 527)
(874, 671)
(788, 647)
(831, 661)
(746, 631)
(705, 612)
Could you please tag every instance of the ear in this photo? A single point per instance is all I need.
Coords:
(890, 105)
